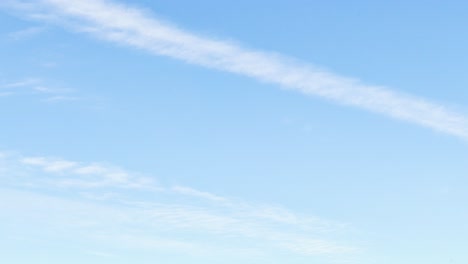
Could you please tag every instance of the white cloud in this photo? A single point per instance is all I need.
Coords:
(23, 83)
(79, 175)
(122, 24)
(91, 169)
(49, 165)
(101, 254)
(196, 193)
(26, 33)
(44, 89)
(61, 98)
(314, 246)
(33, 86)
(108, 198)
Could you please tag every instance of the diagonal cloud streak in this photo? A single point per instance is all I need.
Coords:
(130, 26)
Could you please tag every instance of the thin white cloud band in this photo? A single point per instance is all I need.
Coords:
(129, 26)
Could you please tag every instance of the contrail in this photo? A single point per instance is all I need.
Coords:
(133, 27)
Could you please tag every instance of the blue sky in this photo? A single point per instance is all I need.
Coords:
(228, 132)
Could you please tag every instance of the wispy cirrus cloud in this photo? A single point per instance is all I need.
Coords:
(26, 33)
(38, 87)
(142, 209)
(196, 193)
(118, 23)
(23, 83)
(92, 175)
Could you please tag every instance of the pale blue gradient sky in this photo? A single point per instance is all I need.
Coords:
(114, 154)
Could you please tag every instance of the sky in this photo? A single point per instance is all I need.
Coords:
(136, 131)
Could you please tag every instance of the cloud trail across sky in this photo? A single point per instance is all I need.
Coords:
(119, 23)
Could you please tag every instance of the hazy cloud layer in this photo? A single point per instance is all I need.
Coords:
(102, 198)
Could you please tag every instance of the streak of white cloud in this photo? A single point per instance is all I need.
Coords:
(75, 174)
(61, 98)
(44, 89)
(26, 33)
(49, 165)
(197, 193)
(22, 83)
(130, 26)
(33, 86)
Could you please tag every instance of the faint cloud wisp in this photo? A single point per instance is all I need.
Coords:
(35, 87)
